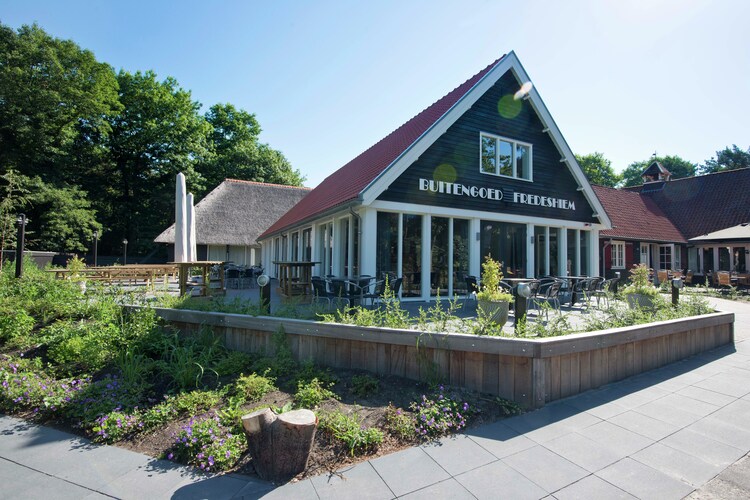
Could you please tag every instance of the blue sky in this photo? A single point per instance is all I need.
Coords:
(328, 79)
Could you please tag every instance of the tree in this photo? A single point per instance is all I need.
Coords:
(54, 100)
(678, 167)
(238, 153)
(14, 199)
(726, 159)
(598, 169)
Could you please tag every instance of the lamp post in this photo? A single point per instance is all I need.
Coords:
(124, 251)
(676, 286)
(523, 292)
(20, 243)
(96, 244)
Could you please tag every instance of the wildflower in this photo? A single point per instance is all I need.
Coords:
(170, 456)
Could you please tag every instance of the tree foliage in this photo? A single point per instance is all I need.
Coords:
(598, 169)
(101, 149)
(679, 168)
(726, 159)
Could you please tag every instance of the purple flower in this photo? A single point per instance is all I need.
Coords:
(170, 456)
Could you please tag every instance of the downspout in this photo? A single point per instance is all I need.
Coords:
(359, 239)
(603, 257)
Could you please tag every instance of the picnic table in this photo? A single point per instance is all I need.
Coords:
(185, 270)
(295, 276)
(130, 273)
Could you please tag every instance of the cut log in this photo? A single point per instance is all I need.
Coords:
(279, 444)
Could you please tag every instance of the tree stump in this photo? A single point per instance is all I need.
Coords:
(279, 444)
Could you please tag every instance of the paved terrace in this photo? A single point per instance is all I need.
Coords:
(680, 431)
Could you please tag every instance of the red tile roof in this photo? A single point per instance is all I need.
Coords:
(636, 217)
(349, 181)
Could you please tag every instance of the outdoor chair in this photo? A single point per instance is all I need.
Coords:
(724, 279)
(605, 290)
(232, 277)
(689, 277)
(662, 275)
(320, 290)
(247, 278)
(395, 287)
(580, 291)
(471, 287)
(549, 293)
(339, 291)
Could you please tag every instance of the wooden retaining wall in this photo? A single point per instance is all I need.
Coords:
(528, 371)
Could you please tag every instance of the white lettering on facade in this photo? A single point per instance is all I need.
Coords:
(457, 189)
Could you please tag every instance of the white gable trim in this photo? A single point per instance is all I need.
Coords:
(508, 63)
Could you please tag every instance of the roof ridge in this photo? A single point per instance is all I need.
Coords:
(267, 184)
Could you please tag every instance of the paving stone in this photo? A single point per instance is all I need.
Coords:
(607, 410)
(615, 437)
(545, 468)
(592, 487)
(301, 490)
(499, 439)
(641, 397)
(687, 468)
(736, 413)
(643, 481)
(157, 479)
(703, 447)
(458, 454)
(449, 488)
(217, 487)
(498, 480)
(360, 481)
(584, 452)
(44, 486)
(408, 471)
(644, 425)
(725, 384)
(719, 430)
(102, 465)
(661, 410)
(705, 395)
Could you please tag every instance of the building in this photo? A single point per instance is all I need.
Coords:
(230, 218)
(482, 171)
(698, 223)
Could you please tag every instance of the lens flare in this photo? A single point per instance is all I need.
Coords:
(445, 172)
(508, 107)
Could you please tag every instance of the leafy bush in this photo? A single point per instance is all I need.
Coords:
(364, 385)
(311, 394)
(234, 362)
(194, 401)
(14, 325)
(100, 398)
(399, 423)
(115, 426)
(350, 431)
(253, 387)
(207, 444)
(309, 370)
(440, 414)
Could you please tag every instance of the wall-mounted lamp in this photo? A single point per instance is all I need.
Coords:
(563, 160)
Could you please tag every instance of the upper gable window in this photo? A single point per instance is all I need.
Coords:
(506, 157)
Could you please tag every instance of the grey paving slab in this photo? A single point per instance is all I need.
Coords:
(719, 430)
(687, 468)
(606, 410)
(545, 468)
(101, 466)
(458, 454)
(615, 437)
(705, 395)
(159, 479)
(736, 413)
(301, 490)
(725, 384)
(661, 410)
(499, 439)
(217, 487)
(409, 470)
(584, 452)
(497, 480)
(592, 487)
(644, 425)
(11, 473)
(360, 481)
(643, 481)
(44, 486)
(449, 488)
(537, 419)
(688, 404)
(641, 397)
(560, 423)
(703, 447)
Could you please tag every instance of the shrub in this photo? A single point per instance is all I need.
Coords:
(207, 444)
(364, 385)
(440, 414)
(253, 387)
(311, 394)
(399, 423)
(14, 325)
(350, 431)
(234, 362)
(25, 387)
(100, 398)
(115, 426)
(194, 401)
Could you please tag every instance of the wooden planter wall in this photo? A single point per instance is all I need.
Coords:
(528, 371)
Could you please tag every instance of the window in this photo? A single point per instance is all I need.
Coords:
(618, 255)
(665, 257)
(506, 157)
(645, 255)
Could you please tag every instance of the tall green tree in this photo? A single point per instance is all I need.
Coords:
(726, 159)
(238, 154)
(598, 169)
(13, 200)
(158, 133)
(54, 101)
(678, 167)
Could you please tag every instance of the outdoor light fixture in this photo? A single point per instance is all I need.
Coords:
(677, 283)
(263, 280)
(96, 244)
(124, 251)
(524, 290)
(20, 243)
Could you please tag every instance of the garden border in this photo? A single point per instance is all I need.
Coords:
(531, 372)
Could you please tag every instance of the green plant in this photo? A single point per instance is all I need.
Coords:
(234, 362)
(436, 318)
(350, 431)
(281, 363)
(489, 288)
(399, 423)
(15, 325)
(639, 282)
(364, 385)
(255, 386)
(207, 444)
(311, 394)
(135, 368)
(193, 402)
(308, 371)
(278, 410)
(508, 407)
(440, 414)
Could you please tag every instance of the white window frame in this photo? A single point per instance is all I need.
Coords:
(647, 254)
(618, 255)
(514, 143)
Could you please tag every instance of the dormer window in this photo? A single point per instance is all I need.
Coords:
(504, 157)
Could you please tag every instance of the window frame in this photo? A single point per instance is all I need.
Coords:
(514, 145)
(621, 257)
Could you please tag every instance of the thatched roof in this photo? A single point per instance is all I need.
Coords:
(237, 212)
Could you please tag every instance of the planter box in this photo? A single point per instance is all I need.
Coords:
(531, 372)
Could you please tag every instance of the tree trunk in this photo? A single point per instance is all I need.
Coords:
(279, 444)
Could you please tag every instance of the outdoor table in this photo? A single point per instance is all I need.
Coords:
(205, 267)
(289, 284)
(353, 294)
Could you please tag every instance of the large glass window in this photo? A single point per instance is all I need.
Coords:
(307, 244)
(355, 244)
(505, 243)
(540, 250)
(554, 252)
(460, 255)
(506, 157)
(645, 255)
(343, 237)
(665, 257)
(739, 259)
(573, 269)
(387, 241)
(439, 256)
(724, 262)
(708, 260)
(411, 258)
(584, 253)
